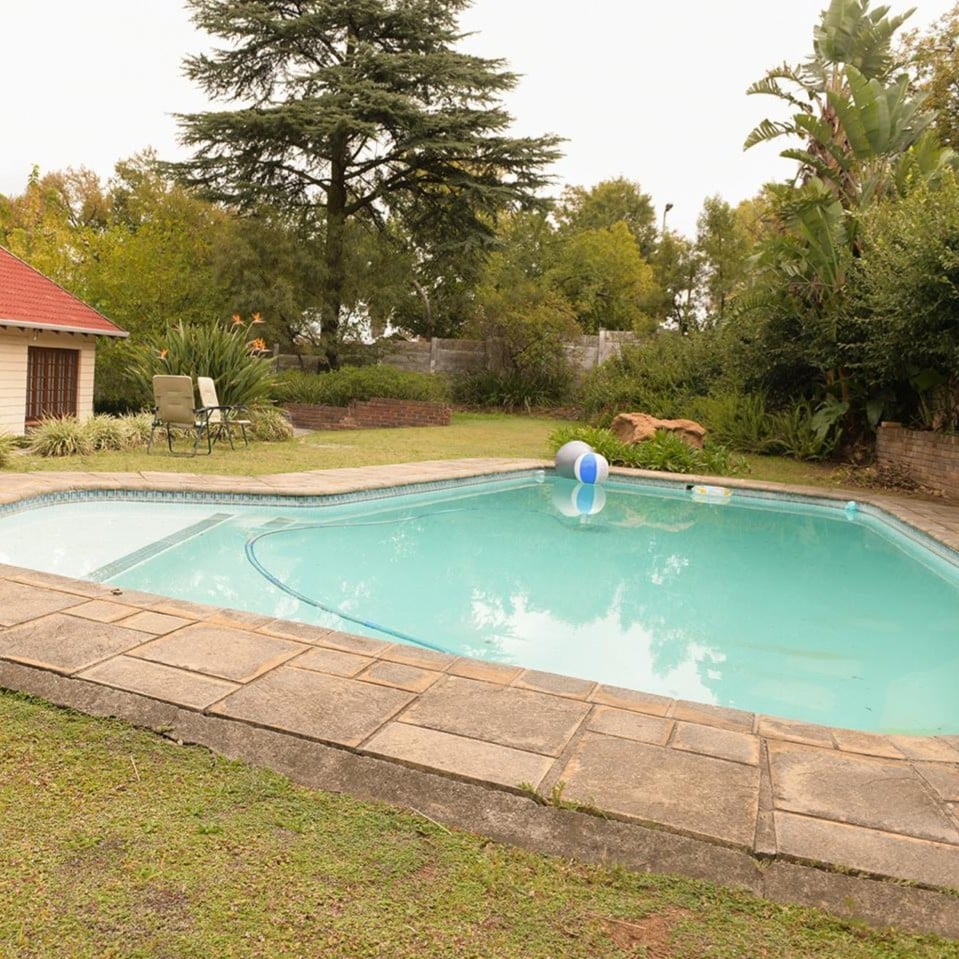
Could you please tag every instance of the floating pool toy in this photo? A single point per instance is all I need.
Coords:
(711, 494)
(567, 455)
(583, 499)
(591, 468)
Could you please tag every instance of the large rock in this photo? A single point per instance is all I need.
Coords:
(637, 427)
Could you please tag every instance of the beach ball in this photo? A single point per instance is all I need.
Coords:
(591, 468)
(583, 499)
(567, 455)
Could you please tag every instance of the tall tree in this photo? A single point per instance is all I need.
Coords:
(723, 244)
(606, 204)
(864, 137)
(934, 59)
(358, 109)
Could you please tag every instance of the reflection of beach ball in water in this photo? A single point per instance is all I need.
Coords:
(591, 468)
(583, 499)
(567, 455)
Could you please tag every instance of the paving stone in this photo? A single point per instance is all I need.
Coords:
(418, 656)
(790, 730)
(156, 623)
(336, 662)
(102, 611)
(66, 643)
(933, 749)
(632, 699)
(218, 651)
(555, 683)
(722, 716)
(943, 777)
(721, 743)
(869, 744)
(876, 852)
(519, 718)
(875, 793)
(465, 758)
(19, 603)
(470, 668)
(411, 678)
(695, 794)
(329, 708)
(630, 725)
(159, 682)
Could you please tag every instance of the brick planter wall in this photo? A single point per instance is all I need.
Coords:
(369, 414)
(930, 458)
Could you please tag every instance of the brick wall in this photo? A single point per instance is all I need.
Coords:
(369, 414)
(930, 458)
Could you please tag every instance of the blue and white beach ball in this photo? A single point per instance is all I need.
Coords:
(567, 455)
(583, 499)
(591, 468)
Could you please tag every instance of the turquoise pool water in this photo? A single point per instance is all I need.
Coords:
(794, 610)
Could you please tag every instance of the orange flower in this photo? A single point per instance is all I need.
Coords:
(257, 318)
(258, 345)
(164, 354)
(237, 319)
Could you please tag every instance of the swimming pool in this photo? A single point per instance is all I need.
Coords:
(804, 610)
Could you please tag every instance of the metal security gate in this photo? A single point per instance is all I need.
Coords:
(51, 383)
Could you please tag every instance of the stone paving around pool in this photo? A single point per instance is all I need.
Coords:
(706, 791)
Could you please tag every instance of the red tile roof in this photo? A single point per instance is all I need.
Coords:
(30, 300)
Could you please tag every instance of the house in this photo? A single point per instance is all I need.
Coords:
(47, 348)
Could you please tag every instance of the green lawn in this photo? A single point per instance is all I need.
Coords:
(117, 843)
(471, 434)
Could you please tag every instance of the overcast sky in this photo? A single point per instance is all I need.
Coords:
(651, 91)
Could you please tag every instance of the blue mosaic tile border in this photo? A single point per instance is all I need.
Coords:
(333, 499)
(257, 499)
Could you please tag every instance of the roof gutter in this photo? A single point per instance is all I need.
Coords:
(26, 325)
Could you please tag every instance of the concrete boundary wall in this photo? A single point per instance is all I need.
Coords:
(450, 356)
(930, 458)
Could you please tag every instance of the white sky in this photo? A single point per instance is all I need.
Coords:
(647, 90)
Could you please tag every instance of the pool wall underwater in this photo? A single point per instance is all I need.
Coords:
(792, 811)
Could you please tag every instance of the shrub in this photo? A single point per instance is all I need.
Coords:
(666, 452)
(243, 377)
(7, 445)
(739, 421)
(59, 436)
(658, 377)
(269, 424)
(804, 433)
(510, 390)
(138, 427)
(341, 387)
(105, 432)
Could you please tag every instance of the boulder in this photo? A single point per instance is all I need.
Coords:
(635, 427)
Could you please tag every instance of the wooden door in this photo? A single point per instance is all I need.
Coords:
(51, 383)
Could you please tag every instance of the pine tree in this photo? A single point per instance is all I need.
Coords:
(360, 109)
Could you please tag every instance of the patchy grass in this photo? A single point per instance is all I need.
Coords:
(117, 843)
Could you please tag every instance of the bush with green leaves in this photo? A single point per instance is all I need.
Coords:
(269, 424)
(59, 436)
(509, 390)
(105, 432)
(658, 377)
(229, 355)
(341, 387)
(7, 445)
(665, 452)
(737, 420)
(806, 433)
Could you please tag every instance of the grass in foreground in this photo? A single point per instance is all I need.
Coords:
(117, 843)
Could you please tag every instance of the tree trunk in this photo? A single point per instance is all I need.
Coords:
(335, 229)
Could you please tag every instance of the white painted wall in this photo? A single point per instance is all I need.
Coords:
(13, 372)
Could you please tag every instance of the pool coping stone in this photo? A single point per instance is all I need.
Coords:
(863, 824)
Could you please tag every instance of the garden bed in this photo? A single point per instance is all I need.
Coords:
(375, 413)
